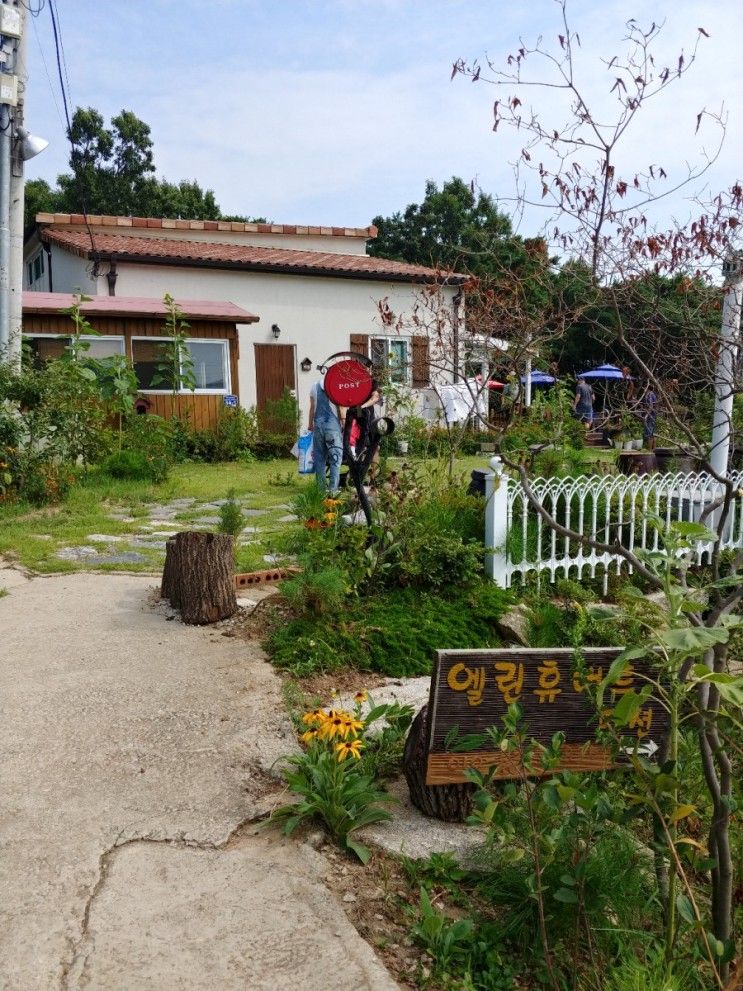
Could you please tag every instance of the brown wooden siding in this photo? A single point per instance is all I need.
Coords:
(202, 410)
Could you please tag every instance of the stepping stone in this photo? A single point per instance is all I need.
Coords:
(255, 512)
(161, 511)
(207, 520)
(291, 518)
(77, 553)
(126, 557)
(104, 538)
(160, 534)
(189, 501)
(246, 603)
(155, 545)
(122, 518)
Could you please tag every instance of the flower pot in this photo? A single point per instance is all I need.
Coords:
(637, 444)
(402, 447)
(628, 445)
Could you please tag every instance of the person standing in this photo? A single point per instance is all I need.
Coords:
(650, 403)
(326, 425)
(583, 403)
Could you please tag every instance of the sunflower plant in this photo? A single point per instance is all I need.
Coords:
(330, 776)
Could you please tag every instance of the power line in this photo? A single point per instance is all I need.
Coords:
(59, 66)
(52, 3)
(60, 57)
(46, 70)
(33, 11)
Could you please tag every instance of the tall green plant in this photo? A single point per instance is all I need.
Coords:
(175, 369)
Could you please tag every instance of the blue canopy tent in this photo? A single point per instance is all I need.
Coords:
(539, 378)
(604, 372)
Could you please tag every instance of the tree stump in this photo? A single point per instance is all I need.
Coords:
(200, 576)
(169, 587)
(451, 803)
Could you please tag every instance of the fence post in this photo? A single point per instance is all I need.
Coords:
(496, 523)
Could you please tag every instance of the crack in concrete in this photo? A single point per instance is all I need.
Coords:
(81, 947)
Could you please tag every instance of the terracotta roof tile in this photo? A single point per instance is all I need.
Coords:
(175, 251)
(137, 306)
(94, 220)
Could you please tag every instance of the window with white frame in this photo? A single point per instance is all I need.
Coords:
(210, 360)
(45, 347)
(391, 359)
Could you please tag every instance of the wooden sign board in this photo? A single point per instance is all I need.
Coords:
(472, 689)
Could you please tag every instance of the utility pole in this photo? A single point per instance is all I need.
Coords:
(12, 24)
(722, 421)
(17, 201)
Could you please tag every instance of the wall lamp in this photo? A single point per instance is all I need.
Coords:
(306, 364)
(276, 331)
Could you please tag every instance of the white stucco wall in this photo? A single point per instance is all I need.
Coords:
(316, 314)
(70, 273)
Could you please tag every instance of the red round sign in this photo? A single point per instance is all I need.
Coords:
(348, 383)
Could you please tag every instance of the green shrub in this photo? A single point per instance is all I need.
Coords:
(231, 517)
(153, 439)
(316, 591)
(438, 561)
(394, 633)
(127, 464)
(234, 437)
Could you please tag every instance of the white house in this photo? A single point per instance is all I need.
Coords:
(315, 289)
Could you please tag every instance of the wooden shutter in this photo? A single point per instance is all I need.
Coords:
(421, 369)
(360, 343)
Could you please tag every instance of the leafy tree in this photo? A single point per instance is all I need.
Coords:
(112, 171)
(454, 227)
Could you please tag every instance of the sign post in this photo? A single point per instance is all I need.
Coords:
(471, 691)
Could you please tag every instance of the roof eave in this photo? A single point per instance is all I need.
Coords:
(455, 279)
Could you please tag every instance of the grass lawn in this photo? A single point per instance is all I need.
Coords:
(33, 537)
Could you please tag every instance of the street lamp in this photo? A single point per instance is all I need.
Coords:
(29, 145)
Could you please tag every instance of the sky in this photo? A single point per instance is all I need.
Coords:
(335, 111)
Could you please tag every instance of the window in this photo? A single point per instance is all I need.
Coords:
(44, 347)
(210, 364)
(35, 268)
(391, 359)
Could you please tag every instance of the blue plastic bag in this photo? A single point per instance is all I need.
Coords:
(304, 453)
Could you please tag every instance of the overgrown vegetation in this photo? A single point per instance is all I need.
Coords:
(383, 599)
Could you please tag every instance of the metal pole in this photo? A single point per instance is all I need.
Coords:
(722, 420)
(5, 149)
(17, 199)
(527, 386)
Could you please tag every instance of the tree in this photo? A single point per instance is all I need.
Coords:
(112, 171)
(651, 294)
(454, 227)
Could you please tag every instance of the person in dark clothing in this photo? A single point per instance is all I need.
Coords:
(650, 414)
(583, 403)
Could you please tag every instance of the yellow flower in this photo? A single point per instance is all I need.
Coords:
(309, 736)
(334, 725)
(331, 503)
(315, 718)
(360, 697)
(350, 726)
(331, 517)
(352, 748)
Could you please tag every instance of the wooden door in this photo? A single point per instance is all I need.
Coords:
(274, 371)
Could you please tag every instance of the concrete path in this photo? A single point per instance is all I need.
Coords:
(135, 754)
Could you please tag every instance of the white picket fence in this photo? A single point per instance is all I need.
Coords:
(604, 508)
